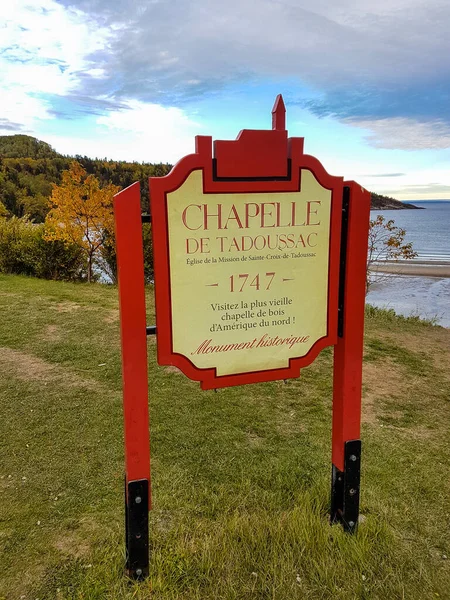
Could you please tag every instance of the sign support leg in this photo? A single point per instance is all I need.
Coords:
(130, 265)
(136, 528)
(345, 488)
(348, 356)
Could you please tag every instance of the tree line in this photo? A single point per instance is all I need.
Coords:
(56, 214)
(29, 168)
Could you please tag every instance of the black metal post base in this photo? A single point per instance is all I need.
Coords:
(345, 488)
(136, 528)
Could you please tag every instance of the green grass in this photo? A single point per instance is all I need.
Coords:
(240, 477)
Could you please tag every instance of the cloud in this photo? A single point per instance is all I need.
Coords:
(421, 98)
(353, 52)
(136, 132)
(427, 187)
(385, 175)
(404, 133)
(368, 64)
(22, 109)
(7, 125)
(43, 49)
(44, 46)
(48, 72)
(73, 106)
(426, 191)
(357, 59)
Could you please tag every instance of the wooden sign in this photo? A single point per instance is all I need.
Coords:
(260, 263)
(246, 267)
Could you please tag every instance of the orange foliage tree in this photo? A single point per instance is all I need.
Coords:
(81, 212)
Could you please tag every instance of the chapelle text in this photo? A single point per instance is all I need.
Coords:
(248, 216)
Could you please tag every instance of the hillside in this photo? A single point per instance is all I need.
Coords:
(25, 146)
(29, 167)
(380, 202)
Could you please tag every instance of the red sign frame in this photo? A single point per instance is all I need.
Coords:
(258, 161)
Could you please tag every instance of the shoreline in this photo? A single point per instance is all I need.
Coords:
(414, 268)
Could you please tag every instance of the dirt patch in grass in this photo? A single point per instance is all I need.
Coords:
(9, 294)
(288, 424)
(67, 307)
(27, 367)
(112, 316)
(75, 542)
(368, 410)
(51, 334)
(172, 369)
(435, 343)
(253, 439)
(419, 432)
(35, 571)
(161, 520)
(381, 379)
(70, 544)
(4, 484)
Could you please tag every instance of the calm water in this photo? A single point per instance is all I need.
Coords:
(429, 297)
(428, 229)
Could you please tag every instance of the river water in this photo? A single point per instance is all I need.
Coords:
(428, 297)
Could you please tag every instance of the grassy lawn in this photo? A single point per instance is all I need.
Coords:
(240, 477)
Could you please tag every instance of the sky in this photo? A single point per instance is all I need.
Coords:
(365, 82)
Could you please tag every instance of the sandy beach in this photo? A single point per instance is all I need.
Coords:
(415, 268)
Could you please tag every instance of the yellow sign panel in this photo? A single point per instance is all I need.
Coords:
(249, 274)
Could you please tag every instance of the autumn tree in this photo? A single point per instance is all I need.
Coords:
(386, 243)
(81, 213)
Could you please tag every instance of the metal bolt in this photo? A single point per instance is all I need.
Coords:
(138, 536)
(339, 478)
(352, 492)
(138, 500)
(351, 523)
(138, 572)
(352, 457)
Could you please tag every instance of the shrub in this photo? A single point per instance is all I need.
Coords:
(107, 261)
(58, 260)
(24, 251)
(17, 237)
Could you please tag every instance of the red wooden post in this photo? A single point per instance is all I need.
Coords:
(130, 265)
(348, 356)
